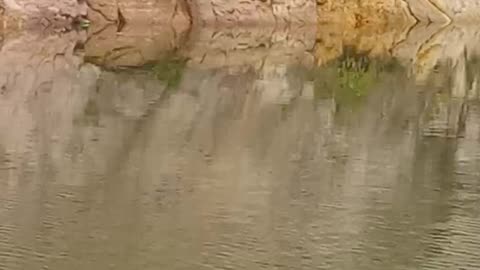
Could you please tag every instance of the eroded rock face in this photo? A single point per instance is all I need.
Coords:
(428, 11)
(375, 40)
(460, 10)
(133, 46)
(253, 11)
(444, 10)
(132, 33)
(180, 12)
(355, 13)
(205, 47)
(142, 12)
(391, 11)
(228, 47)
(46, 12)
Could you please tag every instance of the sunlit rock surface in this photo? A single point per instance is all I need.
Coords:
(376, 41)
(253, 12)
(71, 8)
(146, 13)
(445, 10)
(133, 33)
(202, 46)
(180, 13)
(352, 13)
(41, 14)
(394, 12)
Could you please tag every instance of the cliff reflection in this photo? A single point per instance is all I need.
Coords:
(249, 155)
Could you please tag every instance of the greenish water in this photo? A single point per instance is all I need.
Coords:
(357, 164)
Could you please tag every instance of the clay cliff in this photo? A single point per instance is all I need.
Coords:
(252, 12)
(182, 13)
(44, 13)
(143, 12)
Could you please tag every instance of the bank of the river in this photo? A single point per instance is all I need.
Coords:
(181, 13)
(178, 12)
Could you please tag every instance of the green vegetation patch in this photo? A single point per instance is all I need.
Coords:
(350, 78)
(168, 70)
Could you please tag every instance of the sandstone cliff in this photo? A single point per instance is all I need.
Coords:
(143, 12)
(252, 12)
(445, 10)
(45, 12)
(358, 13)
(180, 12)
(382, 12)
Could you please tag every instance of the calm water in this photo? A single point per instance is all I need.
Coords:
(253, 158)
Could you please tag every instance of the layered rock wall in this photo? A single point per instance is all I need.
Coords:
(444, 10)
(179, 12)
(253, 12)
(392, 11)
(358, 13)
(462, 10)
(234, 47)
(211, 12)
(140, 12)
(134, 46)
(46, 12)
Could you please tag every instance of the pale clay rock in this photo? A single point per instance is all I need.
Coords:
(181, 13)
(72, 8)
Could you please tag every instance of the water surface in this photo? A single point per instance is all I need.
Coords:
(256, 157)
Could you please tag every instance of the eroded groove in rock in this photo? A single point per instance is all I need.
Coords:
(99, 12)
(428, 11)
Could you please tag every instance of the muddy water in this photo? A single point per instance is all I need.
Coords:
(267, 162)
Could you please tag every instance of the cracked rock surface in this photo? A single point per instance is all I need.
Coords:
(141, 12)
(444, 10)
(44, 12)
(252, 12)
(181, 12)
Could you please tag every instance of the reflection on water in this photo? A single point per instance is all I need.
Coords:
(247, 156)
